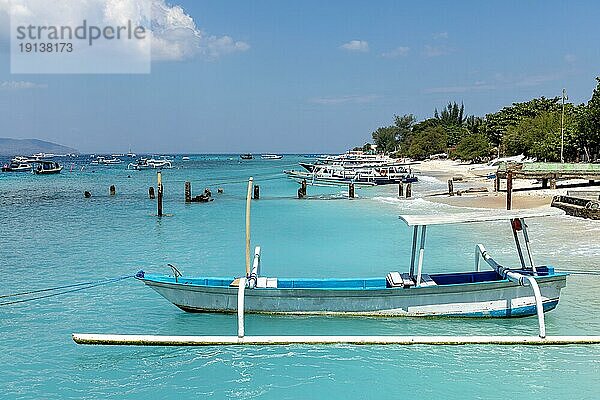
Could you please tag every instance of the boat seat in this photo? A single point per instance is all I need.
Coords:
(427, 281)
(263, 282)
(396, 279)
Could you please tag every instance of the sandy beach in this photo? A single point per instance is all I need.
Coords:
(526, 194)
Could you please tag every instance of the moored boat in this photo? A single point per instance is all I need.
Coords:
(246, 156)
(499, 292)
(18, 164)
(271, 156)
(150, 163)
(47, 168)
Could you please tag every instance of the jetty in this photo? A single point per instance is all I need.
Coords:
(547, 173)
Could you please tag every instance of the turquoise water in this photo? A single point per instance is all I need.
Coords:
(51, 235)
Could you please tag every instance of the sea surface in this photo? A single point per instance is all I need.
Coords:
(50, 235)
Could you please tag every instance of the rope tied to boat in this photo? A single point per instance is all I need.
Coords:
(74, 287)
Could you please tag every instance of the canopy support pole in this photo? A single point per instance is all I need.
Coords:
(517, 241)
(421, 254)
(527, 246)
(414, 250)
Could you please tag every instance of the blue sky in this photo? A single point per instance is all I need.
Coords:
(313, 76)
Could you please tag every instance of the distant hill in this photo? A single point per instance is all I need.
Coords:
(26, 147)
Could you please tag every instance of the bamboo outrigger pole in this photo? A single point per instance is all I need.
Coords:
(248, 198)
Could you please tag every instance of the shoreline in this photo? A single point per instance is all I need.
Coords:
(526, 195)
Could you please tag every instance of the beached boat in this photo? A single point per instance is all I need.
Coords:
(499, 292)
(150, 163)
(47, 168)
(246, 156)
(271, 156)
(368, 175)
(489, 169)
(18, 164)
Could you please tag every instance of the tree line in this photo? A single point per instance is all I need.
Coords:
(532, 128)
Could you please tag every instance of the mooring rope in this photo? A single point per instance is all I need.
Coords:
(596, 273)
(77, 286)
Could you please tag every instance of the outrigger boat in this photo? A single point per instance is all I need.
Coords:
(368, 175)
(500, 292)
(151, 163)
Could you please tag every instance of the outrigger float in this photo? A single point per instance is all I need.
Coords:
(525, 290)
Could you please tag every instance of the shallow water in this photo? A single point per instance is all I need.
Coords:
(52, 236)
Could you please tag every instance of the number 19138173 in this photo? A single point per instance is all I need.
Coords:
(44, 47)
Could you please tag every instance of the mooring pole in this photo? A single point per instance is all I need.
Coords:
(400, 189)
(351, 190)
(112, 190)
(160, 193)
(408, 190)
(450, 187)
(248, 198)
(151, 192)
(188, 192)
(256, 192)
(509, 189)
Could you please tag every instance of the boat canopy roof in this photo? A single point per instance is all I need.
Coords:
(492, 215)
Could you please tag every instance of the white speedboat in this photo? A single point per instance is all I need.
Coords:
(271, 156)
(18, 164)
(100, 160)
(491, 167)
(150, 163)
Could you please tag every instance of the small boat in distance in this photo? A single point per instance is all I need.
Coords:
(246, 156)
(100, 160)
(185, 158)
(47, 168)
(18, 164)
(271, 156)
(502, 291)
(150, 163)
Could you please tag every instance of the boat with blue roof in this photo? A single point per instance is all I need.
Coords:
(501, 291)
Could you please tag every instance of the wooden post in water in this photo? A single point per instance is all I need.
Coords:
(553, 183)
(248, 225)
(450, 187)
(87, 194)
(351, 190)
(112, 190)
(408, 190)
(188, 192)
(159, 187)
(497, 183)
(302, 190)
(509, 189)
(256, 195)
(400, 189)
(151, 192)
(544, 183)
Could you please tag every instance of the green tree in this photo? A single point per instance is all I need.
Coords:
(428, 141)
(497, 124)
(385, 139)
(472, 147)
(588, 139)
(538, 137)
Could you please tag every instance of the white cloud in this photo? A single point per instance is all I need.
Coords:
(401, 51)
(477, 86)
(440, 35)
(348, 99)
(175, 35)
(21, 85)
(436, 51)
(356, 45)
